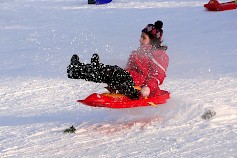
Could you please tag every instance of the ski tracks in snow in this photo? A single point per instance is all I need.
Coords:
(81, 4)
(37, 96)
(34, 113)
(135, 4)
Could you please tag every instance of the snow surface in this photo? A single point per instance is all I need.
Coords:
(38, 101)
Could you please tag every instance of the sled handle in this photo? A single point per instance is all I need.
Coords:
(137, 88)
(153, 104)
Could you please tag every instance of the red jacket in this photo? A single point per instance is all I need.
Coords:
(148, 66)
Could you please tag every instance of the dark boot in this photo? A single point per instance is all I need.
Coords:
(73, 70)
(95, 70)
(95, 61)
(91, 1)
(89, 72)
(75, 60)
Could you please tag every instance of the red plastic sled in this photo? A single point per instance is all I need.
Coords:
(214, 5)
(121, 101)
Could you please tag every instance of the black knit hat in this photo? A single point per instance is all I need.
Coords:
(154, 30)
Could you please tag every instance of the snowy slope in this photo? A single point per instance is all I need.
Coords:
(38, 101)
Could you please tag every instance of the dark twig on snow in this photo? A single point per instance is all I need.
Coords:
(70, 130)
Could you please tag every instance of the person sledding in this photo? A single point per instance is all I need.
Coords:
(145, 71)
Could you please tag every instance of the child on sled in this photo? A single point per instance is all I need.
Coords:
(146, 67)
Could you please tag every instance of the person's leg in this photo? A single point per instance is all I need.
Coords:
(122, 81)
(88, 72)
(73, 70)
(116, 78)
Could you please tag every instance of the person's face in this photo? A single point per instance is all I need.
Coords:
(144, 40)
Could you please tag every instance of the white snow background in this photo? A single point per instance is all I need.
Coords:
(38, 101)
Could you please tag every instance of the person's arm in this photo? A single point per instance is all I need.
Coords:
(158, 64)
